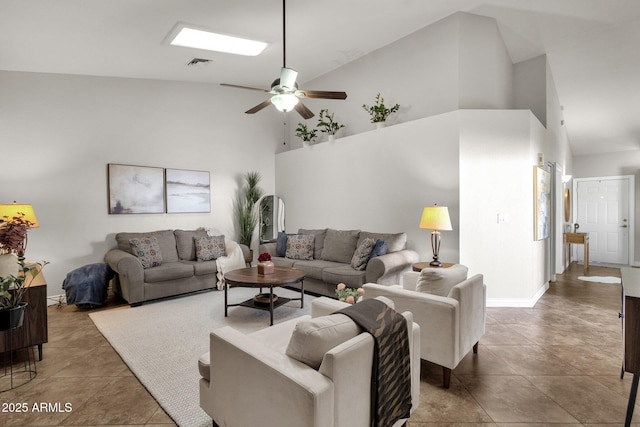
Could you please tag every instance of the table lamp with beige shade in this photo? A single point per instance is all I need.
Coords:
(435, 218)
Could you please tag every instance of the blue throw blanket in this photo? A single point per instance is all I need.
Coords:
(88, 285)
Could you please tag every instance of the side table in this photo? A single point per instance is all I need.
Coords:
(418, 266)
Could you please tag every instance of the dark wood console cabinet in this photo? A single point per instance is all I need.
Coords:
(631, 331)
(35, 319)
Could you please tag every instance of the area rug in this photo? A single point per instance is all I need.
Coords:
(600, 279)
(161, 341)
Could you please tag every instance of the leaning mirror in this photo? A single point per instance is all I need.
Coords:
(271, 218)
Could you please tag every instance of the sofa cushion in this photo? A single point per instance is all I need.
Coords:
(312, 338)
(168, 271)
(313, 268)
(185, 243)
(209, 247)
(344, 274)
(300, 246)
(361, 255)
(439, 281)
(380, 248)
(202, 268)
(395, 241)
(166, 240)
(282, 261)
(339, 245)
(319, 234)
(147, 250)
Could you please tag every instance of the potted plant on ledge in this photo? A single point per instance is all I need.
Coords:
(379, 112)
(307, 135)
(327, 125)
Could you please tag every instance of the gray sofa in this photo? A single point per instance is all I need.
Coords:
(179, 272)
(331, 263)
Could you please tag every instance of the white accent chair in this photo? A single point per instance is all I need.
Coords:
(450, 326)
(248, 379)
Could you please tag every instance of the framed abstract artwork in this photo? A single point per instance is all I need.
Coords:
(135, 189)
(542, 202)
(187, 191)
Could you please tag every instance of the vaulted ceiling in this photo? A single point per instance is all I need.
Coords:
(593, 46)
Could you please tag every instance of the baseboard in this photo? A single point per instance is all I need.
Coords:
(56, 299)
(518, 302)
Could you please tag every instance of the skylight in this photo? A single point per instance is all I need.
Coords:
(200, 39)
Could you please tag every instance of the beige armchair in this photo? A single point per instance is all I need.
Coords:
(248, 379)
(450, 326)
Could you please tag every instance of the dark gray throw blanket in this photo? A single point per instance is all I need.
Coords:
(391, 376)
(88, 285)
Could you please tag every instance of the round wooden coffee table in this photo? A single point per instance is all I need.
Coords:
(249, 278)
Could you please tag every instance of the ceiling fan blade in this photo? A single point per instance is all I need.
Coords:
(244, 87)
(259, 107)
(303, 110)
(288, 78)
(320, 94)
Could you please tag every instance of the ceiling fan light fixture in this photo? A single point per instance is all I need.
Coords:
(201, 39)
(284, 102)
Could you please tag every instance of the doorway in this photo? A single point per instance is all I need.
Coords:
(604, 210)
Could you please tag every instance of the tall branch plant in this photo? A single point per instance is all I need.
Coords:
(246, 214)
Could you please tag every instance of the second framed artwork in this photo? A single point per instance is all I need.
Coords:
(143, 189)
(187, 191)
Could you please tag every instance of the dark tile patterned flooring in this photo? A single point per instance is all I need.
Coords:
(555, 364)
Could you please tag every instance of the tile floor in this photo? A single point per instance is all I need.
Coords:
(555, 364)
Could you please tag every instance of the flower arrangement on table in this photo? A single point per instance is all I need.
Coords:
(348, 295)
(265, 265)
(264, 256)
(13, 234)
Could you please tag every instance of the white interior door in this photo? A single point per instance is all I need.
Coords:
(603, 212)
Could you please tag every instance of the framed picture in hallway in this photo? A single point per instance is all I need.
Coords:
(135, 189)
(541, 203)
(187, 191)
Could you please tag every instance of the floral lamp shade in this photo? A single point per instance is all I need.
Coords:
(10, 210)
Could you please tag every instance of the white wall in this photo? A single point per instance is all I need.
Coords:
(376, 181)
(457, 62)
(614, 164)
(496, 177)
(59, 132)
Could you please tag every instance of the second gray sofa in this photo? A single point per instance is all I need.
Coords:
(333, 251)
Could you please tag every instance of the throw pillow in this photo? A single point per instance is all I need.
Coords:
(300, 246)
(209, 247)
(361, 255)
(380, 248)
(320, 234)
(281, 244)
(339, 245)
(439, 281)
(147, 250)
(395, 241)
(312, 338)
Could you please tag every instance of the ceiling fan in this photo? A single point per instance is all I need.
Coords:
(284, 90)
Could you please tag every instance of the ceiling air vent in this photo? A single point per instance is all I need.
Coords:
(198, 61)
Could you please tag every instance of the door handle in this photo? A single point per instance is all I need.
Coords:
(624, 226)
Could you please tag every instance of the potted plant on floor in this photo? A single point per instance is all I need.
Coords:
(246, 213)
(379, 112)
(307, 135)
(328, 125)
(15, 274)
